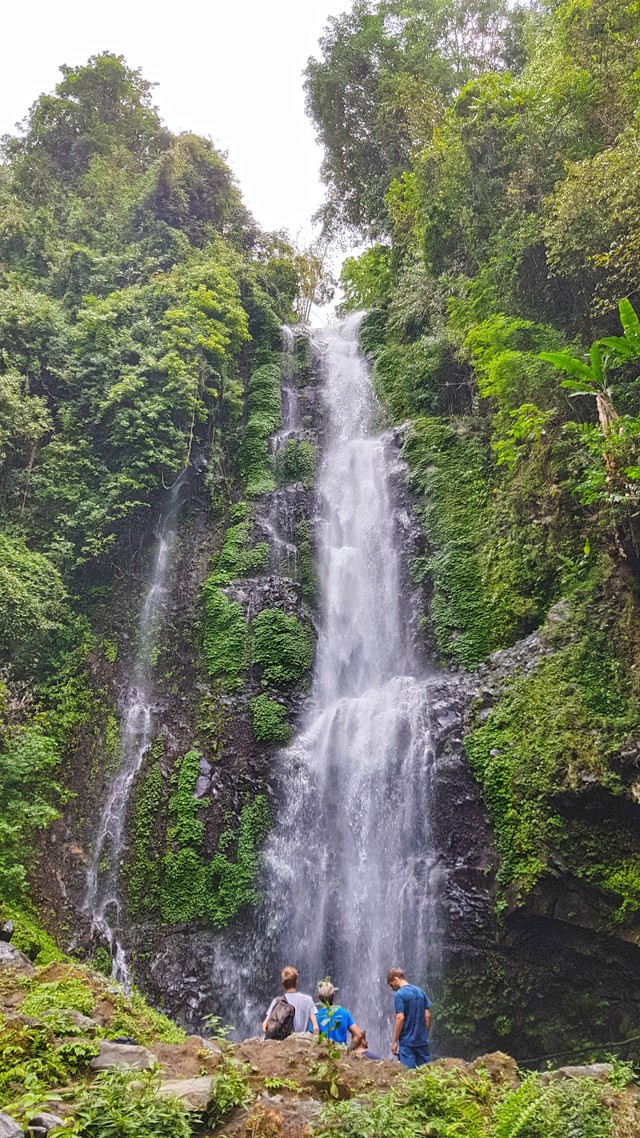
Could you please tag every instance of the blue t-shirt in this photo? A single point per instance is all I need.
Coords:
(413, 1003)
(334, 1022)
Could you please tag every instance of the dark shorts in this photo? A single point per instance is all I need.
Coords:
(414, 1056)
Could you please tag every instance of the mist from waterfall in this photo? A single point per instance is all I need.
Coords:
(103, 897)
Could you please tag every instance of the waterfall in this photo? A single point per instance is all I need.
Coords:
(103, 902)
(350, 874)
(280, 523)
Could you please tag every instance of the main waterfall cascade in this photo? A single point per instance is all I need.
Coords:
(103, 898)
(349, 876)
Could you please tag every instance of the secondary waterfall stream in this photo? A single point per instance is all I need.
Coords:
(350, 876)
(103, 902)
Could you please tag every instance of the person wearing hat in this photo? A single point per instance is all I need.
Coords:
(334, 1021)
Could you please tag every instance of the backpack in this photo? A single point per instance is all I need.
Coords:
(280, 1021)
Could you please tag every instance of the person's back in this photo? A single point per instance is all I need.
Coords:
(412, 1002)
(305, 1009)
(413, 1017)
(334, 1022)
(303, 1005)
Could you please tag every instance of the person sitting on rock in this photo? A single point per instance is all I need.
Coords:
(335, 1022)
(362, 1048)
(305, 1009)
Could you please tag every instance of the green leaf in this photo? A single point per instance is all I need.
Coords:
(577, 388)
(631, 324)
(572, 366)
(620, 347)
(596, 364)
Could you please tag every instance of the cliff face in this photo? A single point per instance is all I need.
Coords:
(518, 953)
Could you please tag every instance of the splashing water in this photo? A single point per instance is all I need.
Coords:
(102, 893)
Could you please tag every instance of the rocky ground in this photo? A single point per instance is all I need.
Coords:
(67, 1033)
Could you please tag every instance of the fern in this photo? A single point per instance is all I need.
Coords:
(518, 1109)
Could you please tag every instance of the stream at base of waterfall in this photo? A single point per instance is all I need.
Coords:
(349, 881)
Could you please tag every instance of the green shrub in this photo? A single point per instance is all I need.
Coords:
(237, 558)
(73, 995)
(282, 647)
(269, 720)
(449, 470)
(264, 414)
(127, 1104)
(46, 1052)
(297, 462)
(134, 1017)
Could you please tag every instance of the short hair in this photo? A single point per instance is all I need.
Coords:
(394, 974)
(289, 977)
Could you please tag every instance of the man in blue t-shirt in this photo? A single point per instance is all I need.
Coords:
(413, 1020)
(335, 1022)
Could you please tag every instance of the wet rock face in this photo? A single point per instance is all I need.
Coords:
(551, 971)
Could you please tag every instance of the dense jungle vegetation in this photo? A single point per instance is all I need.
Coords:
(137, 295)
(489, 156)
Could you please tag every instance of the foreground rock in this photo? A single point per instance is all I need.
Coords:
(9, 1127)
(11, 957)
(123, 1056)
(44, 1122)
(195, 1094)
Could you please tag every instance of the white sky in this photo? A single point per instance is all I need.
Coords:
(230, 69)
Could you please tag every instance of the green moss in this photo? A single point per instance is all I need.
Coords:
(269, 721)
(110, 650)
(448, 470)
(307, 570)
(225, 637)
(408, 377)
(101, 960)
(193, 889)
(233, 879)
(283, 648)
(552, 731)
(183, 889)
(297, 462)
(143, 871)
(237, 557)
(112, 739)
(185, 827)
(264, 414)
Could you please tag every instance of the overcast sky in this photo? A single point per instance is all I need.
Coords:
(230, 69)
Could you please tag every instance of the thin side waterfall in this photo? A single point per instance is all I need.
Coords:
(279, 524)
(103, 902)
(350, 871)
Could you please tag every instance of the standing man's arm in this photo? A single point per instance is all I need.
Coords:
(427, 1018)
(266, 1018)
(397, 1032)
(314, 1023)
